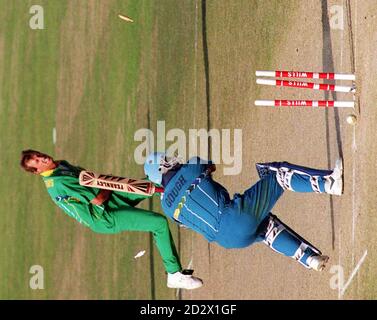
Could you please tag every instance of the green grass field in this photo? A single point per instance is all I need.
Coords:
(97, 79)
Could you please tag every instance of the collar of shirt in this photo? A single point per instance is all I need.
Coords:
(47, 173)
(50, 172)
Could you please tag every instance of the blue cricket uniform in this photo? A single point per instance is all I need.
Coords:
(194, 199)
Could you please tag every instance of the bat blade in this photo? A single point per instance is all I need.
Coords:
(114, 183)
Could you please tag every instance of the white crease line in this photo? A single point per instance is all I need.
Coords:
(195, 104)
(354, 149)
(354, 213)
(53, 135)
(341, 68)
(354, 272)
(354, 146)
(195, 55)
(339, 259)
(341, 44)
(355, 37)
(190, 264)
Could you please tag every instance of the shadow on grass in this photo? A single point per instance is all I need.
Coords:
(328, 66)
(207, 83)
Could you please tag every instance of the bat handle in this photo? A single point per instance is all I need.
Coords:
(158, 189)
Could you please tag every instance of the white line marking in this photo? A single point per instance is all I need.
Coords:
(341, 46)
(353, 208)
(355, 38)
(189, 266)
(195, 56)
(354, 146)
(354, 272)
(339, 258)
(53, 135)
(195, 105)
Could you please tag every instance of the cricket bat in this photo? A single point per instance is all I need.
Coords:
(114, 183)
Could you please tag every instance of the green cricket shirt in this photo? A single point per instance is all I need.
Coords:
(115, 215)
(64, 189)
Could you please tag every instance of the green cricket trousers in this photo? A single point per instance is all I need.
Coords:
(118, 216)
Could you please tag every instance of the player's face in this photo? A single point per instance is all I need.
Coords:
(41, 164)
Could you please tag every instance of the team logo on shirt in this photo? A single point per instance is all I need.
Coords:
(172, 195)
(49, 183)
(66, 199)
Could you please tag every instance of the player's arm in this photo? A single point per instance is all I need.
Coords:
(70, 186)
(101, 197)
(211, 167)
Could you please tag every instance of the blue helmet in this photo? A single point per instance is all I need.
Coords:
(153, 165)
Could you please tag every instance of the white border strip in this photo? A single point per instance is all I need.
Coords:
(354, 272)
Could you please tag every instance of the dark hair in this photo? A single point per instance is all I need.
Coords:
(26, 155)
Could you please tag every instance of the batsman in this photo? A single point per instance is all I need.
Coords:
(192, 198)
(105, 211)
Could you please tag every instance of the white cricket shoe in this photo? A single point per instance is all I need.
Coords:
(334, 183)
(317, 262)
(183, 281)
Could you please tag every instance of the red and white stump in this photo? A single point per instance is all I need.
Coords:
(305, 103)
(306, 75)
(306, 85)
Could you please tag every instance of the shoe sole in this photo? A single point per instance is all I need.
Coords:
(177, 287)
